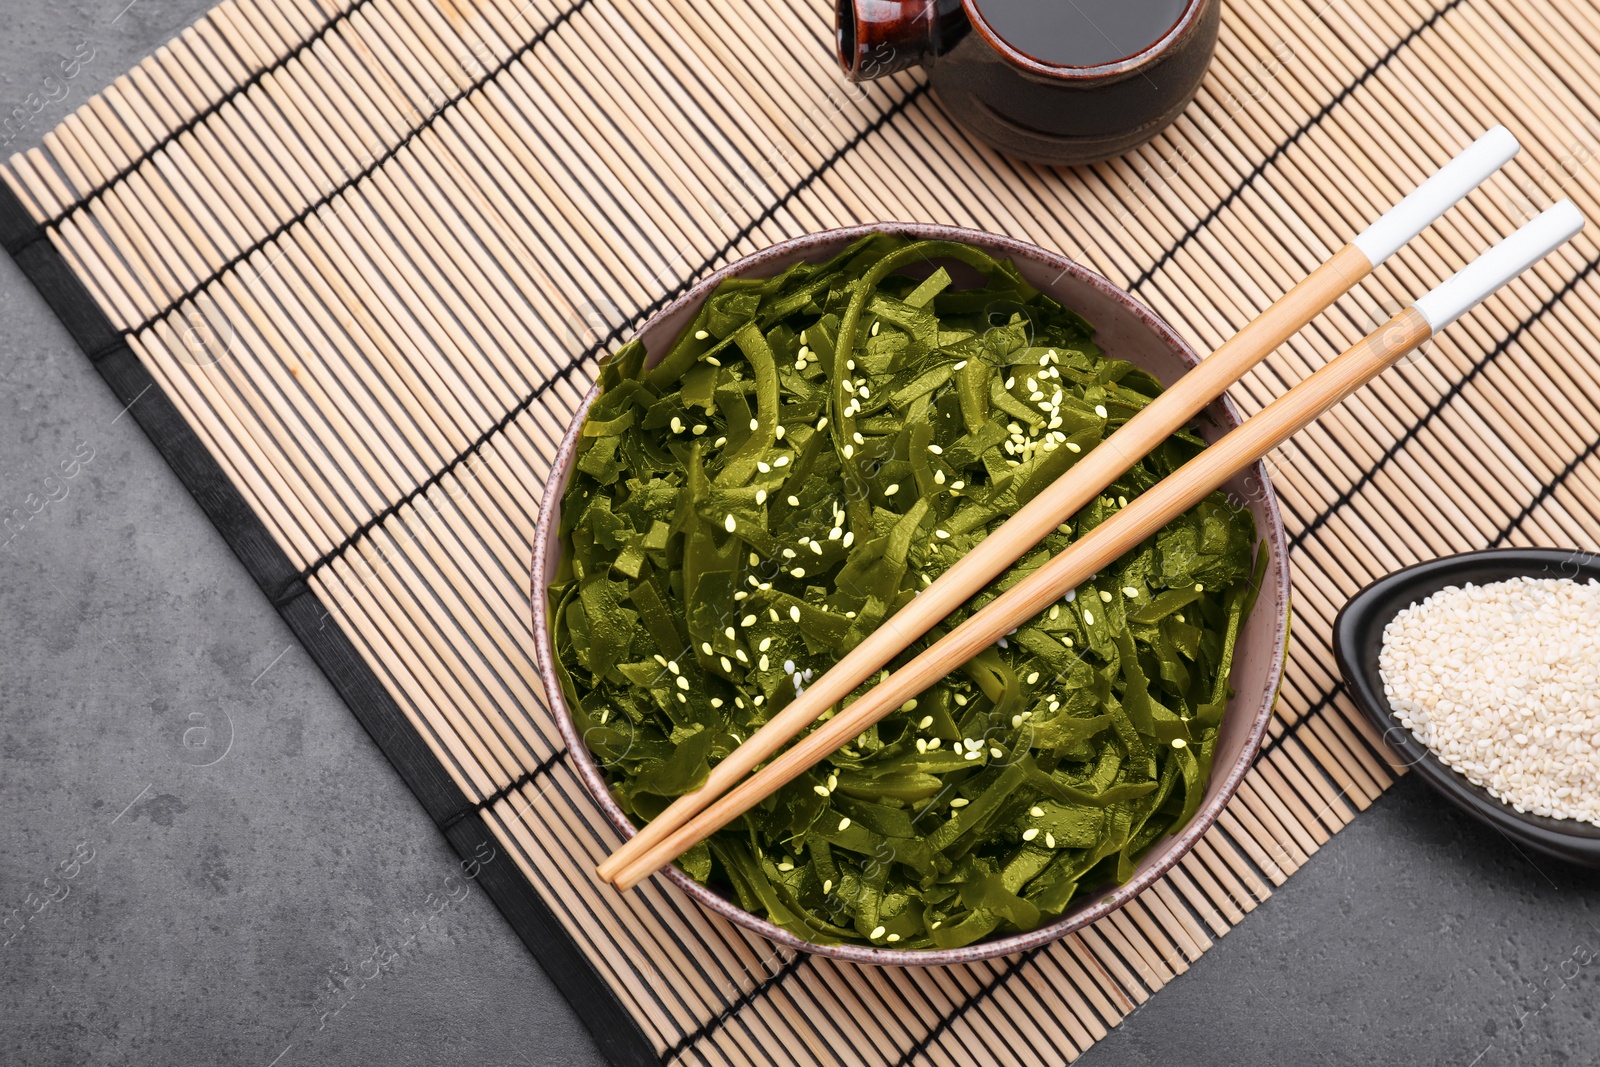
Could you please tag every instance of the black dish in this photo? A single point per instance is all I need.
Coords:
(1358, 638)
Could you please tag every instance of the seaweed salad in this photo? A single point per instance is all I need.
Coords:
(813, 450)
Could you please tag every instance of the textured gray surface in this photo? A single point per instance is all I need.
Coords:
(237, 880)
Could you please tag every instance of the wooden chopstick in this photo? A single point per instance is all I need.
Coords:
(1102, 465)
(1130, 526)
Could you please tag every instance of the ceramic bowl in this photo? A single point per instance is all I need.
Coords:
(1127, 330)
(1358, 639)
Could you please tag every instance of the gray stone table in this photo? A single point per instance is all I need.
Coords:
(213, 899)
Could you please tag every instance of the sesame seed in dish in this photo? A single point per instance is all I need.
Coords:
(1502, 682)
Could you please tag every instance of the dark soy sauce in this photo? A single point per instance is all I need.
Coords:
(1081, 33)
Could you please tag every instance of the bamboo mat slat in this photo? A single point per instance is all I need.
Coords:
(365, 254)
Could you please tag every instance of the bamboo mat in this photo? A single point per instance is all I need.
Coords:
(352, 264)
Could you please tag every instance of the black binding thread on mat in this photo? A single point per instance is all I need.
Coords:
(1277, 153)
(1438, 406)
(923, 1043)
(747, 998)
(194, 122)
(615, 334)
(1546, 491)
(364, 173)
(539, 770)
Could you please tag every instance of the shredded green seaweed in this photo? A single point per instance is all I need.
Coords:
(813, 450)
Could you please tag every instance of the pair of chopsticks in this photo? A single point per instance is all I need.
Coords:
(731, 789)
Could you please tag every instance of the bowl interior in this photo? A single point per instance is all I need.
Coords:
(1358, 641)
(1126, 330)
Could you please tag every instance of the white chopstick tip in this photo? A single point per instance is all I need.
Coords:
(1435, 196)
(1456, 295)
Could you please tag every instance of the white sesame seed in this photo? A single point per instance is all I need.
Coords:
(719, 442)
(677, 424)
(779, 432)
(925, 722)
(1030, 833)
(683, 683)
(701, 335)
(1088, 617)
(1129, 591)
(1105, 596)
(763, 466)
(858, 439)
(1036, 811)
(794, 501)
(761, 496)
(794, 612)
(935, 924)
(960, 802)
(844, 823)
(728, 630)
(822, 423)
(705, 646)
(785, 866)
(892, 937)
(1073, 446)
(729, 524)
(849, 539)
(755, 424)
(996, 753)
(1199, 587)
(922, 744)
(942, 534)
(820, 790)
(798, 572)
(827, 885)
(672, 665)
(754, 559)
(1049, 840)
(1010, 382)
(849, 450)
(700, 428)
(961, 699)
(1033, 676)
(892, 490)
(1100, 409)
(877, 931)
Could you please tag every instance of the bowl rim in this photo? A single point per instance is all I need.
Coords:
(1178, 845)
(1358, 638)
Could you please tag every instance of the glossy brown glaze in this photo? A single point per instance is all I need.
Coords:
(1034, 110)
